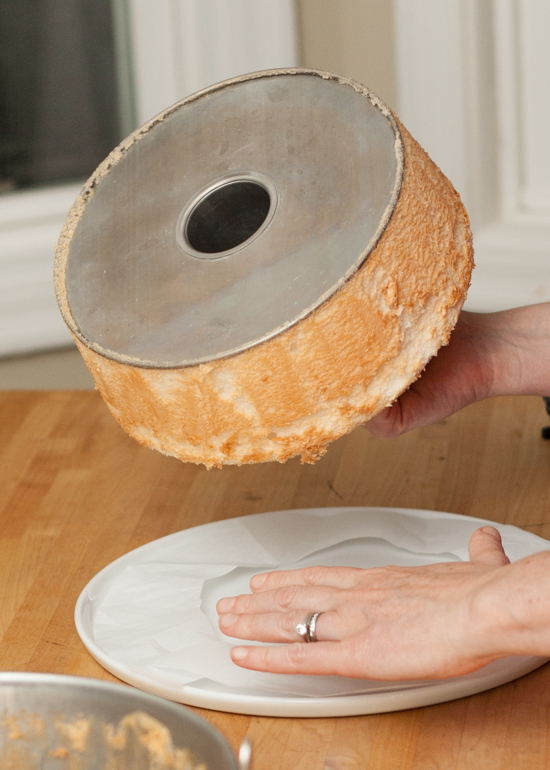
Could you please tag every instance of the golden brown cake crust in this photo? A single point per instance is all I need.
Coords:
(333, 370)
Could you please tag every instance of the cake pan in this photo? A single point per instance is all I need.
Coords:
(48, 721)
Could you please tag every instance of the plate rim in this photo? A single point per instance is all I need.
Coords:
(435, 691)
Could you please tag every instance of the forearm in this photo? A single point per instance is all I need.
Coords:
(518, 344)
(510, 613)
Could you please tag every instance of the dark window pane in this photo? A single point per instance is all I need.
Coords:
(58, 97)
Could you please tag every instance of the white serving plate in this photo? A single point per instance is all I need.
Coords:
(149, 617)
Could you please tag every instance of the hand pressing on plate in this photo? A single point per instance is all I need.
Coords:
(395, 623)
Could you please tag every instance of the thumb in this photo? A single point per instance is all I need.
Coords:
(485, 547)
(386, 424)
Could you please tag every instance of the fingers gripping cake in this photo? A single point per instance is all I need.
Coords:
(261, 268)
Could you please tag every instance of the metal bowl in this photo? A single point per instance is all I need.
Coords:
(49, 722)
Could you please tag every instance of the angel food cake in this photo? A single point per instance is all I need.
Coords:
(261, 268)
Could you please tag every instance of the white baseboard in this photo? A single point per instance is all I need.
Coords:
(30, 223)
(498, 287)
(512, 266)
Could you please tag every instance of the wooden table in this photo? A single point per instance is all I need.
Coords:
(76, 493)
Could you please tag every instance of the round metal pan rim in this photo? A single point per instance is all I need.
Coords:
(62, 251)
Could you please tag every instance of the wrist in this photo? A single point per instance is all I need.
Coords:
(509, 614)
(492, 627)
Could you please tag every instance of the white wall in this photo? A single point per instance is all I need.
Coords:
(354, 38)
(473, 89)
(181, 46)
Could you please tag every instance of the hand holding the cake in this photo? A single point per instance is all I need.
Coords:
(395, 623)
(489, 354)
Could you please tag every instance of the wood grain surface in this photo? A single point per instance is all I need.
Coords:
(77, 493)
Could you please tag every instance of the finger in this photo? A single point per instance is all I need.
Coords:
(291, 597)
(413, 409)
(485, 547)
(278, 626)
(348, 659)
(299, 658)
(388, 423)
(337, 577)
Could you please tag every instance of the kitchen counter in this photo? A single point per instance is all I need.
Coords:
(77, 493)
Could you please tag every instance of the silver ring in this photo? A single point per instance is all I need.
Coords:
(311, 627)
(307, 629)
